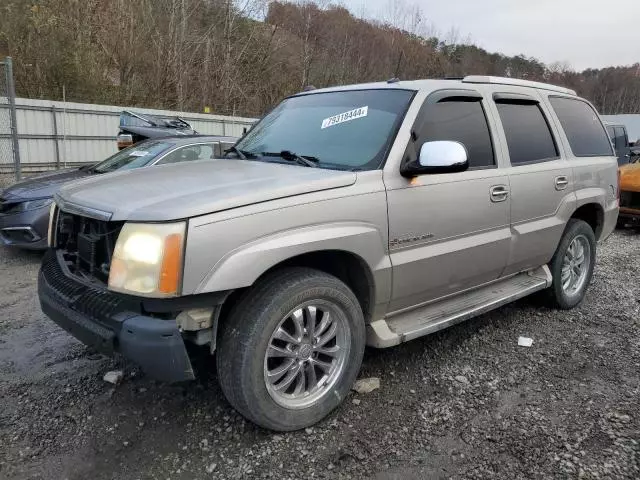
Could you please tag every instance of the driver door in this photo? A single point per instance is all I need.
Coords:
(449, 232)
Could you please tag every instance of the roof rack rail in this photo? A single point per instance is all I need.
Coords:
(517, 82)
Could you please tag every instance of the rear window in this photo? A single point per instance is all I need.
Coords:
(528, 136)
(587, 137)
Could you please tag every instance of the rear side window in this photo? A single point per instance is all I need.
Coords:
(582, 126)
(528, 135)
(463, 120)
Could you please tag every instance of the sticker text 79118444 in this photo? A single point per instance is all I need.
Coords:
(345, 117)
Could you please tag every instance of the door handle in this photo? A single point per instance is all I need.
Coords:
(561, 182)
(499, 193)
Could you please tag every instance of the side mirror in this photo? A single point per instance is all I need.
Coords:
(441, 156)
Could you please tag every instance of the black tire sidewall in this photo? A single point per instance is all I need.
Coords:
(559, 296)
(267, 311)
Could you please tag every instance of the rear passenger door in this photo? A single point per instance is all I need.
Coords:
(448, 232)
(540, 180)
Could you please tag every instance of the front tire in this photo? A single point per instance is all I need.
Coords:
(572, 265)
(291, 349)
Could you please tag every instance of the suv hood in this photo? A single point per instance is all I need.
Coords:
(177, 191)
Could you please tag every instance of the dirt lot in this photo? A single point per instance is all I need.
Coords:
(464, 403)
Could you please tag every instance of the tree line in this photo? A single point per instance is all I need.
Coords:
(240, 57)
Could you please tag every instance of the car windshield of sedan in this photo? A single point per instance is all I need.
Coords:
(350, 129)
(135, 156)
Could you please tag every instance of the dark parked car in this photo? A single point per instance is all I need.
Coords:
(24, 207)
(135, 127)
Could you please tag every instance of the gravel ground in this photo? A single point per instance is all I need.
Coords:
(6, 180)
(464, 403)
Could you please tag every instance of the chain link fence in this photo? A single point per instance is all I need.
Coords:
(9, 148)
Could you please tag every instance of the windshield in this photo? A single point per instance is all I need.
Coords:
(135, 156)
(348, 129)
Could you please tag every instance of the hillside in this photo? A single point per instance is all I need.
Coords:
(192, 54)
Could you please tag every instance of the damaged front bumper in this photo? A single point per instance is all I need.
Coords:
(113, 323)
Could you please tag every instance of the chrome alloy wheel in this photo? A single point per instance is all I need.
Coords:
(306, 354)
(575, 266)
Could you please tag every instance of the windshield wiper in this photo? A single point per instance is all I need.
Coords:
(305, 160)
(243, 155)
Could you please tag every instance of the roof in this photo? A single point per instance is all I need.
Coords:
(431, 84)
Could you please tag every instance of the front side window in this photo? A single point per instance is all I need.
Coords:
(138, 155)
(583, 128)
(463, 120)
(344, 130)
(188, 153)
(528, 135)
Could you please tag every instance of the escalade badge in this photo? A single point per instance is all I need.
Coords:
(396, 242)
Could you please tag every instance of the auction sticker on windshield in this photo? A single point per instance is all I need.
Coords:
(345, 117)
(139, 153)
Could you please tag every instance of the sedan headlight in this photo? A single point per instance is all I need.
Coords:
(147, 259)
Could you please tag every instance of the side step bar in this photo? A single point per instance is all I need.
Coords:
(404, 326)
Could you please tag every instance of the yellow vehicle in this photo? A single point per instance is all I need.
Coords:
(630, 193)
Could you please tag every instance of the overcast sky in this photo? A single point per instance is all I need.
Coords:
(584, 33)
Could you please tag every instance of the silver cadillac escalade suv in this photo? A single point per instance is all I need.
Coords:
(362, 215)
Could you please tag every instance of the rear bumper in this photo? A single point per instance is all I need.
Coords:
(156, 345)
(25, 229)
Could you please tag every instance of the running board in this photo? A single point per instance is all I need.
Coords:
(402, 327)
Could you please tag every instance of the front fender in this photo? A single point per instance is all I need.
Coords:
(242, 266)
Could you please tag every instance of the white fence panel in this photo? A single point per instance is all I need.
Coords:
(58, 134)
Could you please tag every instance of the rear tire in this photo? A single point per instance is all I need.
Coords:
(572, 265)
(299, 326)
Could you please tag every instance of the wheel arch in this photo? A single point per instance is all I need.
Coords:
(347, 266)
(593, 214)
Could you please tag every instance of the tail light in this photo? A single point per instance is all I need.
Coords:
(124, 140)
